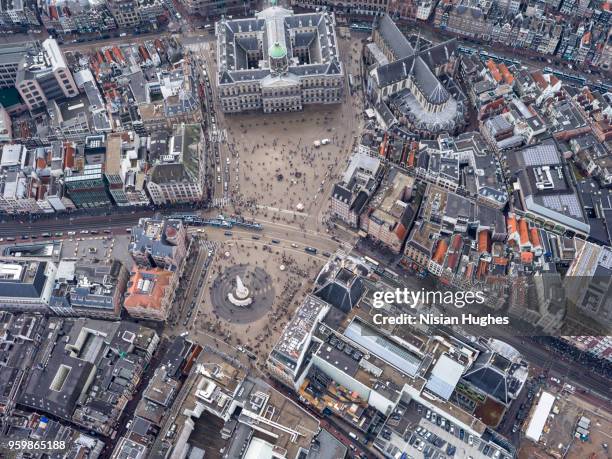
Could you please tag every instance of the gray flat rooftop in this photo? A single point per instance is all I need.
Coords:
(383, 347)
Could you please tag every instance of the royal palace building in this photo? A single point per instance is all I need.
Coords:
(278, 62)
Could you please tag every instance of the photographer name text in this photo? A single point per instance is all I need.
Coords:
(440, 319)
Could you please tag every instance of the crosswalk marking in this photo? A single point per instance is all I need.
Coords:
(221, 202)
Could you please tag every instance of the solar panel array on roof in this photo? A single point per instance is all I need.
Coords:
(567, 203)
(541, 155)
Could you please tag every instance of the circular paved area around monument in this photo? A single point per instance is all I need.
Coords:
(260, 288)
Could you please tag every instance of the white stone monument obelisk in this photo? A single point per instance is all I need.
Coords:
(241, 295)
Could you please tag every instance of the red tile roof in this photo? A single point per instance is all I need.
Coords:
(523, 231)
(452, 261)
(401, 231)
(538, 77)
(483, 241)
(440, 251)
(68, 156)
(511, 223)
(153, 297)
(508, 78)
(411, 159)
(535, 237)
(456, 243)
(494, 71)
(118, 55)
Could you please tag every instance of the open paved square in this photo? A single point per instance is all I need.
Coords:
(279, 166)
(289, 272)
(270, 162)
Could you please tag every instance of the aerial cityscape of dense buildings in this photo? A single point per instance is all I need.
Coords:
(306, 229)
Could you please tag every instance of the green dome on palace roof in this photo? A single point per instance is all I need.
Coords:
(277, 51)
